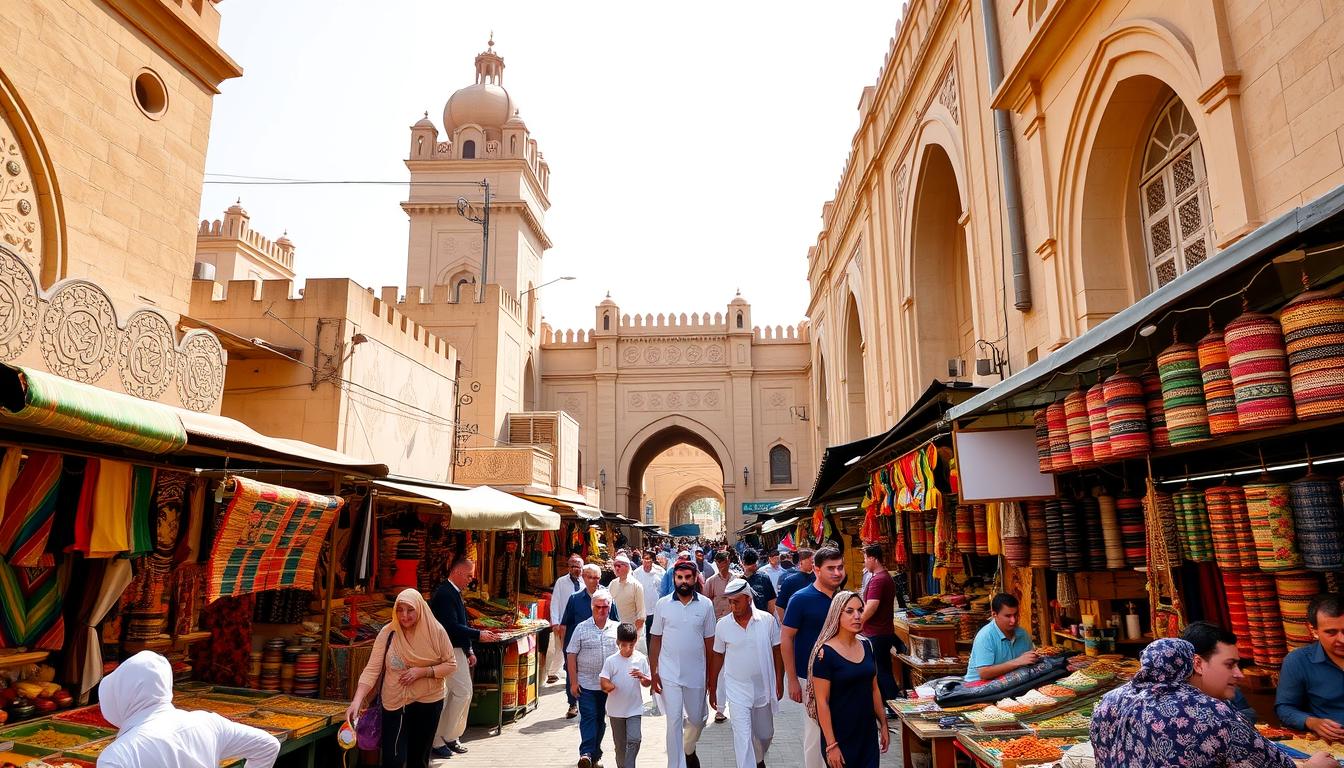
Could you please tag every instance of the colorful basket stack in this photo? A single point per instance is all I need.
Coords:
(1230, 525)
(1043, 441)
(1054, 535)
(1153, 405)
(1079, 429)
(1262, 614)
(1217, 379)
(965, 527)
(1095, 536)
(1193, 521)
(1271, 515)
(1258, 363)
(1037, 536)
(1183, 394)
(919, 544)
(1099, 428)
(305, 673)
(1061, 460)
(979, 513)
(1126, 416)
(1236, 613)
(1112, 537)
(1075, 546)
(1296, 589)
(1313, 330)
(272, 657)
(1130, 511)
(1014, 533)
(1317, 517)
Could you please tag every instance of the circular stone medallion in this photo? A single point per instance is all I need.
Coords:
(200, 371)
(79, 332)
(146, 355)
(18, 306)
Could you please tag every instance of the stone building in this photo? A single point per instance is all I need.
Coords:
(104, 119)
(1147, 137)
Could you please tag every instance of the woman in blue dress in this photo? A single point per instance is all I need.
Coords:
(844, 697)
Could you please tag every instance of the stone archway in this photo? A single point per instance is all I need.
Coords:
(941, 284)
(655, 439)
(679, 511)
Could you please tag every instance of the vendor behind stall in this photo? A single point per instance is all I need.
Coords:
(1001, 645)
(1218, 666)
(1311, 682)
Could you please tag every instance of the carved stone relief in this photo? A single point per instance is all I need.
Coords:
(671, 354)
(147, 354)
(200, 371)
(20, 222)
(674, 400)
(947, 94)
(18, 307)
(78, 332)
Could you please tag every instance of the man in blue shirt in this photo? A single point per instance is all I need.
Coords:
(1001, 645)
(1311, 681)
(803, 620)
(794, 581)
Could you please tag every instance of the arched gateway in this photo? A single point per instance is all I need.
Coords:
(643, 386)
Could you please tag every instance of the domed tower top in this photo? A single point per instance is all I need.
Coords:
(485, 102)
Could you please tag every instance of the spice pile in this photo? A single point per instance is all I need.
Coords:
(1029, 748)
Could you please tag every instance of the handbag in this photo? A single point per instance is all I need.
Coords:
(369, 725)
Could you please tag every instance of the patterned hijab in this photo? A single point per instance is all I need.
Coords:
(425, 643)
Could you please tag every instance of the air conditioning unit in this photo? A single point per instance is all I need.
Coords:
(555, 432)
(203, 270)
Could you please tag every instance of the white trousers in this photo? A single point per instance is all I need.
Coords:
(555, 656)
(753, 730)
(723, 692)
(687, 711)
(813, 757)
(456, 702)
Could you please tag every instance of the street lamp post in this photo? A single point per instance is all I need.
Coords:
(464, 208)
(543, 285)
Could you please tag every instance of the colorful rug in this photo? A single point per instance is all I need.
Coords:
(29, 510)
(270, 538)
(30, 606)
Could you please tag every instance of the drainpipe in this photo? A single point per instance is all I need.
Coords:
(1012, 183)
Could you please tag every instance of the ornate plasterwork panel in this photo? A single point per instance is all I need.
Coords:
(20, 222)
(78, 337)
(947, 94)
(655, 354)
(675, 400)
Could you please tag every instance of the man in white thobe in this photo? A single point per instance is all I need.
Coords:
(746, 648)
(565, 586)
(682, 641)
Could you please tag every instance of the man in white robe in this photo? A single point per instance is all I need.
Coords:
(746, 648)
(138, 698)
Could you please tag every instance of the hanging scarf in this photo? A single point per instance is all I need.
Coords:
(29, 510)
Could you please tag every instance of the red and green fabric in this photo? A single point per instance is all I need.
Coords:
(30, 606)
(30, 508)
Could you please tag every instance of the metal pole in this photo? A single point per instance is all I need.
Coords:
(485, 241)
(331, 590)
(1012, 184)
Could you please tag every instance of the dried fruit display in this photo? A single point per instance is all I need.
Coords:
(50, 738)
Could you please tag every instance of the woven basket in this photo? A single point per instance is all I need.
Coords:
(1054, 533)
(1183, 394)
(1258, 363)
(1313, 330)
(1079, 429)
(1156, 410)
(1296, 589)
(1112, 537)
(980, 513)
(1061, 460)
(1230, 525)
(1130, 511)
(1039, 552)
(1262, 614)
(1317, 517)
(1217, 380)
(1271, 515)
(1043, 457)
(1093, 533)
(1075, 543)
(1126, 416)
(1193, 517)
(1236, 613)
(965, 528)
(1099, 428)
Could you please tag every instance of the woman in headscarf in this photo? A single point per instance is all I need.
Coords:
(1159, 720)
(844, 699)
(413, 655)
(137, 697)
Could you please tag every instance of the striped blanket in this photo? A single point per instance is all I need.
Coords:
(30, 508)
(30, 606)
(270, 537)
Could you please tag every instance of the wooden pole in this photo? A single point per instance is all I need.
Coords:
(323, 663)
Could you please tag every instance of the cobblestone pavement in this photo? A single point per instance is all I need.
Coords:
(545, 739)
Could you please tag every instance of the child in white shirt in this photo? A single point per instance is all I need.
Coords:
(622, 676)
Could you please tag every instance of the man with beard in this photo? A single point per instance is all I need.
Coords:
(683, 638)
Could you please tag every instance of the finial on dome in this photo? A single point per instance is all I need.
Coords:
(426, 114)
(491, 42)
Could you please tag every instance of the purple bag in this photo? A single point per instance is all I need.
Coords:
(369, 724)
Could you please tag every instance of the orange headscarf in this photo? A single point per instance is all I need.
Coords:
(426, 643)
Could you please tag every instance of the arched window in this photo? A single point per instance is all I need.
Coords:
(739, 319)
(781, 466)
(606, 321)
(513, 146)
(468, 149)
(1174, 197)
(462, 283)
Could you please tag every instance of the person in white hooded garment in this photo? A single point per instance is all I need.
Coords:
(138, 698)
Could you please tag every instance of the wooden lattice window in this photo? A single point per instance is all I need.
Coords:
(1174, 197)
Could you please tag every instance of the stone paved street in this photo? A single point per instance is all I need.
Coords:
(545, 739)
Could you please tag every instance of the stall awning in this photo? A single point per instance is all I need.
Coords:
(783, 506)
(222, 434)
(562, 506)
(835, 463)
(786, 521)
(1313, 224)
(482, 508)
(51, 404)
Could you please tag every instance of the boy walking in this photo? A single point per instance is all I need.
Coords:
(623, 675)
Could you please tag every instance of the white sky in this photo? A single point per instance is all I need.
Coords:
(691, 144)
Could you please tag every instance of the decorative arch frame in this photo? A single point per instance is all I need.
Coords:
(719, 449)
(31, 152)
(793, 465)
(936, 130)
(1134, 48)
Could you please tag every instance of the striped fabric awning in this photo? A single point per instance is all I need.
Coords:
(44, 401)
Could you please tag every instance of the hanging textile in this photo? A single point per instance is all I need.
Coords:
(1164, 554)
(359, 558)
(65, 515)
(29, 510)
(116, 576)
(9, 471)
(83, 526)
(189, 549)
(111, 506)
(31, 606)
(270, 538)
(142, 499)
(226, 658)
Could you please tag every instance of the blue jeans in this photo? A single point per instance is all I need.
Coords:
(592, 722)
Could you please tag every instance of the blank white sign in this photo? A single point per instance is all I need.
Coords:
(1000, 465)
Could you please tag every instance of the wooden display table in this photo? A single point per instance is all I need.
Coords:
(945, 634)
(921, 735)
(905, 664)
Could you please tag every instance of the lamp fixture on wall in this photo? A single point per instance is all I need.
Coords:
(746, 475)
(602, 477)
(994, 363)
(798, 411)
